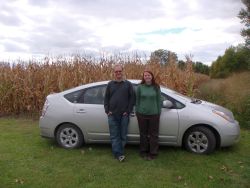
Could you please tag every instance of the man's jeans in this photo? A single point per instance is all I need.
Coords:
(118, 128)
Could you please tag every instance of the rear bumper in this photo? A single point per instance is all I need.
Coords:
(46, 137)
(46, 133)
(46, 128)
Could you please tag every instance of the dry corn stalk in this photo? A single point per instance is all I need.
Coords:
(24, 86)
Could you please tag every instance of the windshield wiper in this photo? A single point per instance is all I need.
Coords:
(196, 101)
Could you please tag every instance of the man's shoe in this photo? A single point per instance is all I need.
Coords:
(151, 157)
(143, 154)
(121, 158)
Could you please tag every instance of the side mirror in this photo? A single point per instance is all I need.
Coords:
(167, 104)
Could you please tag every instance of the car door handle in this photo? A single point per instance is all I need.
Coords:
(81, 111)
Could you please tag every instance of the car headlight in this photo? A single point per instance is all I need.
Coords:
(223, 115)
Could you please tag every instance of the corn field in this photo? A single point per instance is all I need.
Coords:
(25, 85)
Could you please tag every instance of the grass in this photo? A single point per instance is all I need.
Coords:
(27, 160)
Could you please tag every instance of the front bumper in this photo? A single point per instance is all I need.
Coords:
(231, 135)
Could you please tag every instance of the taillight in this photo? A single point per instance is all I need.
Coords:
(45, 107)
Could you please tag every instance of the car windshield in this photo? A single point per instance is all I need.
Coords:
(184, 97)
(191, 99)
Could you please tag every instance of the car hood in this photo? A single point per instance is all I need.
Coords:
(213, 106)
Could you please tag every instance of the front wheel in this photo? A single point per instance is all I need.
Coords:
(69, 136)
(200, 140)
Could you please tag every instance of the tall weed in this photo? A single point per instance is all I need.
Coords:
(232, 92)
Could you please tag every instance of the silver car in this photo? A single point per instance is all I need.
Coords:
(77, 116)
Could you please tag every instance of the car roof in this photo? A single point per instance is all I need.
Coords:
(170, 92)
(93, 84)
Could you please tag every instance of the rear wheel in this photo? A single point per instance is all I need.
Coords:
(200, 140)
(69, 136)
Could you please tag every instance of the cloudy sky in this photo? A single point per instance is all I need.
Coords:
(35, 28)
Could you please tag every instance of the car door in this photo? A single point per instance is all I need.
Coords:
(133, 135)
(89, 111)
(169, 124)
(169, 121)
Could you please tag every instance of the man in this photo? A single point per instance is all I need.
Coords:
(118, 103)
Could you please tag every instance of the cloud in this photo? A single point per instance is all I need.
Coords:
(61, 33)
(222, 9)
(204, 28)
(128, 9)
(209, 52)
(164, 31)
(14, 46)
(8, 16)
(39, 3)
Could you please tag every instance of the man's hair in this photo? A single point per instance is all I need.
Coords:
(117, 65)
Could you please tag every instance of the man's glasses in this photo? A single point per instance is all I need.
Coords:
(118, 71)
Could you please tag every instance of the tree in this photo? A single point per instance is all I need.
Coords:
(243, 57)
(181, 64)
(230, 60)
(234, 59)
(163, 56)
(199, 67)
(244, 15)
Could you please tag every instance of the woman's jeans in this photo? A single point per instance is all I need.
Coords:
(118, 128)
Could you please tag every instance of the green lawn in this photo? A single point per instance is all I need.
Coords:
(27, 160)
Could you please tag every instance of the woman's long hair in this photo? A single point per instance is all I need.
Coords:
(156, 86)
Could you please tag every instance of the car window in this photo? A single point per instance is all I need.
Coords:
(176, 104)
(74, 96)
(93, 95)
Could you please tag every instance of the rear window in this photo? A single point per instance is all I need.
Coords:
(93, 95)
(74, 96)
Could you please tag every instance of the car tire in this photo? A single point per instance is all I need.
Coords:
(200, 140)
(69, 136)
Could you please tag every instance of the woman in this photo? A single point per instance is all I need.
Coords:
(148, 109)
